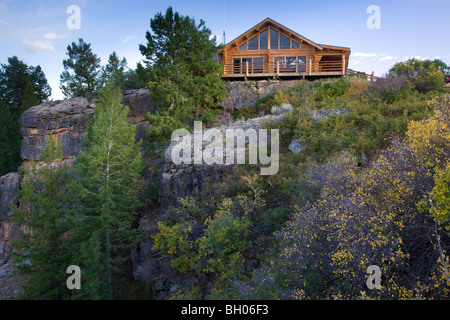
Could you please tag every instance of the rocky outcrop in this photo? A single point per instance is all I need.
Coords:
(244, 94)
(65, 120)
(322, 114)
(9, 194)
(181, 180)
(140, 104)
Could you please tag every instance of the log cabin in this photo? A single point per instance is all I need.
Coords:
(270, 50)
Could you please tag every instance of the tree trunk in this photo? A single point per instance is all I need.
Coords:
(108, 253)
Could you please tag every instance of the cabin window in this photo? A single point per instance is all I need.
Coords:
(255, 65)
(291, 61)
(301, 64)
(244, 65)
(243, 47)
(253, 43)
(290, 64)
(236, 66)
(263, 40)
(258, 65)
(295, 45)
(285, 42)
(273, 39)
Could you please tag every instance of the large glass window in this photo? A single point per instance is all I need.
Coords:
(301, 64)
(246, 61)
(258, 65)
(295, 45)
(263, 40)
(243, 47)
(236, 66)
(278, 62)
(273, 39)
(285, 42)
(253, 43)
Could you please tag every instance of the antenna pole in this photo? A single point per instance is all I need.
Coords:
(224, 37)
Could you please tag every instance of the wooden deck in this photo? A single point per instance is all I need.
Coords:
(269, 70)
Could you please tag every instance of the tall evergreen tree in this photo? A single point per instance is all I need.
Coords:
(10, 140)
(81, 71)
(184, 76)
(15, 77)
(29, 98)
(109, 176)
(114, 71)
(42, 251)
(21, 86)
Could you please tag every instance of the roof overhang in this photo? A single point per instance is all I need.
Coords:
(277, 26)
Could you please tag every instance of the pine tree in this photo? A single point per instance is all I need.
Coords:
(14, 78)
(109, 177)
(10, 140)
(114, 71)
(184, 76)
(81, 71)
(29, 98)
(43, 250)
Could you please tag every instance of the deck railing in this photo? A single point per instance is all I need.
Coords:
(284, 68)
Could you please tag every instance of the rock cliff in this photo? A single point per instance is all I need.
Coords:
(67, 121)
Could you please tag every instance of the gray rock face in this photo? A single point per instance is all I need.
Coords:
(181, 180)
(9, 192)
(140, 103)
(296, 146)
(65, 120)
(243, 94)
(326, 113)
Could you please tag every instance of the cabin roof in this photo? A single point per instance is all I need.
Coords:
(269, 21)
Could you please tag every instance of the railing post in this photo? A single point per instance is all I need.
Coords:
(310, 67)
(246, 69)
(278, 68)
(343, 65)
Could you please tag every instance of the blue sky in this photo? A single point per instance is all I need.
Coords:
(36, 30)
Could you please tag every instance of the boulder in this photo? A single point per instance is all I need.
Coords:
(318, 115)
(296, 147)
(242, 94)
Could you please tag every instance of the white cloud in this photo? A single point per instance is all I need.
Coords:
(41, 39)
(38, 46)
(386, 58)
(54, 36)
(38, 30)
(434, 2)
(128, 38)
(364, 54)
(3, 3)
